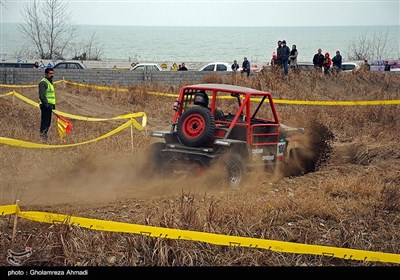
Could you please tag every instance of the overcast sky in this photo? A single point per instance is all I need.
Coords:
(222, 13)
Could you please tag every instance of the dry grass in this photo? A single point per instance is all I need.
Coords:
(351, 199)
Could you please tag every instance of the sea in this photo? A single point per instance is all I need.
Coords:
(207, 44)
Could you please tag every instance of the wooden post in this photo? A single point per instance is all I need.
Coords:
(131, 135)
(15, 222)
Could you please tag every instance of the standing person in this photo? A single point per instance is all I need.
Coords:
(285, 53)
(47, 101)
(246, 66)
(293, 58)
(318, 60)
(279, 53)
(274, 60)
(183, 67)
(366, 66)
(327, 63)
(235, 66)
(337, 62)
(387, 65)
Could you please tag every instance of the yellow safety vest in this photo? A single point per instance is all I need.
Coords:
(50, 92)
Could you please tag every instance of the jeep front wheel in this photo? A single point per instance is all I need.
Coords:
(196, 126)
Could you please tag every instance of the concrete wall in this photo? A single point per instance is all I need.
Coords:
(103, 77)
(107, 77)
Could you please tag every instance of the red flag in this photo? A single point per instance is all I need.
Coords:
(64, 126)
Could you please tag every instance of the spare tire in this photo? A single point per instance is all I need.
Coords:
(196, 126)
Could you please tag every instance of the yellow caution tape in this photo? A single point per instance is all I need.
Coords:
(26, 144)
(339, 103)
(9, 209)
(126, 116)
(212, 238)
(23, 98)
(26, 86)
(276, 101)
(94, 86)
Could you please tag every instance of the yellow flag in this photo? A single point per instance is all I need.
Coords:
(64, 126)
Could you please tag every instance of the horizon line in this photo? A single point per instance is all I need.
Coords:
(230, 26)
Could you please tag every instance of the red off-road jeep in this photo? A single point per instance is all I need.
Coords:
(235, 127)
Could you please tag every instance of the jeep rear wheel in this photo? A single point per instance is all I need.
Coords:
(235, 170)
(196, 126)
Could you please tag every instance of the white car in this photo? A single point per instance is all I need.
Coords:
(216, 66)
(350, 66)
(69, 65)
(146, 67)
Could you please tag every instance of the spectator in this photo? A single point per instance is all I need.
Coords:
(246, 66)
(235, 66)
(318, 60)
(274, 60)
(285, 53)
(183, 67)
(365, 66)
(337, 62)
(293, 58)
(279, 53)
(327, 63)
(387, 65)
(47, 101)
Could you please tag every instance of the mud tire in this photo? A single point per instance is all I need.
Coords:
(236, 171)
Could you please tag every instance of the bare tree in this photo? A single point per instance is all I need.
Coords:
(89, 51)
(377, 46)
(48, 25)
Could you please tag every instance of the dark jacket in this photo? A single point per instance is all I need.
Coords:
(337, 61)
(285, 53)
(279, 55)
(318, 60)
(246, 66)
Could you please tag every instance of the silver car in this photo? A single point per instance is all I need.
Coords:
(69, 65)
(216, 66)
(146, 67)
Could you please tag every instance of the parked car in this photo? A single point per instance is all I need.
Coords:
(146, 67)
(69, 65)
(16, 65)
(350, 66)
(305, 66)
(216, 66)
(346, 66)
